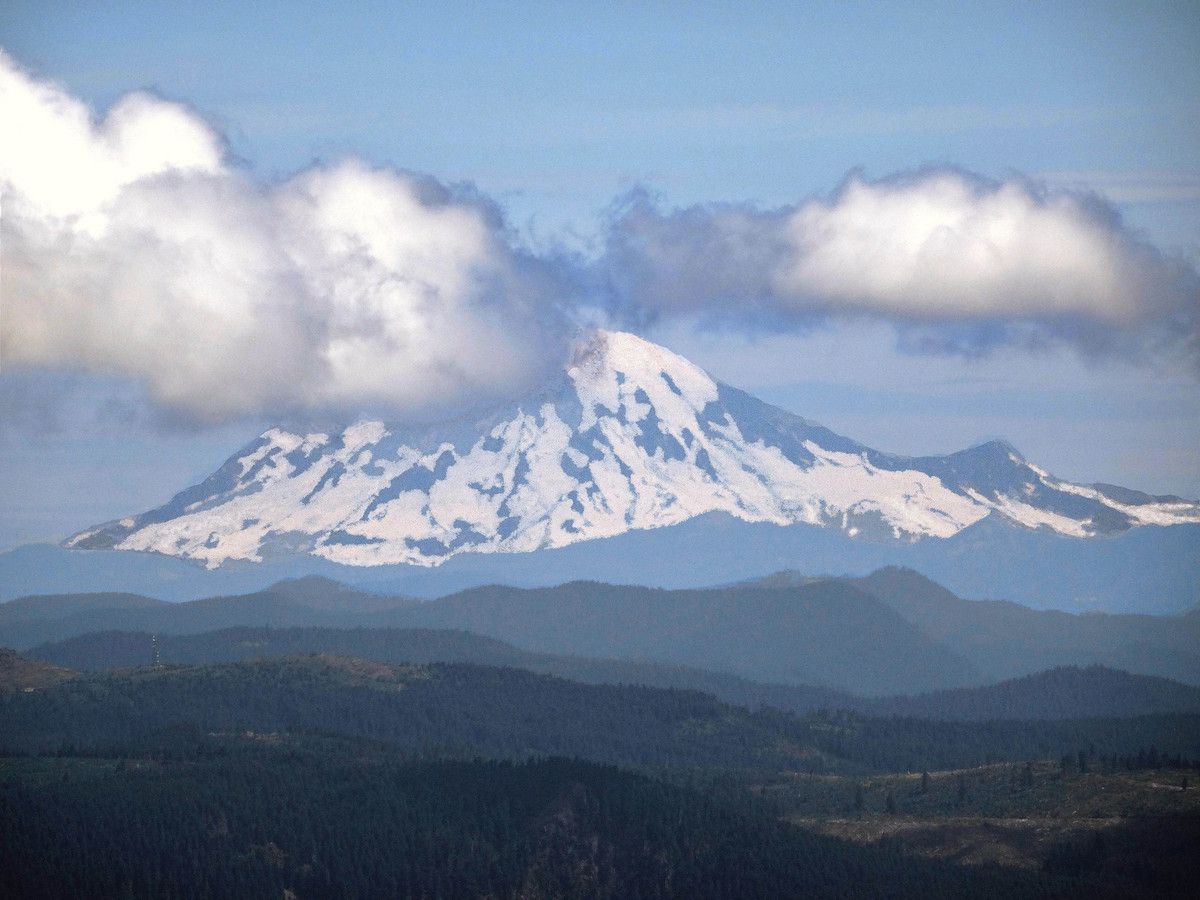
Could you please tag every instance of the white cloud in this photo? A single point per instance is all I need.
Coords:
(938, 247)
(132, 247)
(58, 163)
(942, 246)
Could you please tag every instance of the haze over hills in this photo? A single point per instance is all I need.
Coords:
(894, 632)
(307, 601)
(99, 651)
(1006, 639)
(1060, 693)
(633, 438)
(1151, 570)
(827, 633)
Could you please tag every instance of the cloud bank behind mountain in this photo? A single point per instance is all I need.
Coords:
(133, 245)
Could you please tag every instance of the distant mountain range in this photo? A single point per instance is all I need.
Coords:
(894, 632)
(1146, 570)
(633, 438)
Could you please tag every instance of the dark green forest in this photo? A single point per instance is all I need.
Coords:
(348, 745)
(340, 821)
(1066, 692)
(461, 709)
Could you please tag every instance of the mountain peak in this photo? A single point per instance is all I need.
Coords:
(605, 361)
(637, 437)
(622, 350)
(997, 449)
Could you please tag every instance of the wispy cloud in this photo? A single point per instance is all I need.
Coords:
(1132, 187)
(832, 121)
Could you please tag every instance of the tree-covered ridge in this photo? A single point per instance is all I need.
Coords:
(464, 710)
(123, 649)
(892, 633)
(903, 744)
(1067, 692)
(100, 651)
(27, 621)
(1007, 640)
(438, 708)
(18, 673)
(347, 822)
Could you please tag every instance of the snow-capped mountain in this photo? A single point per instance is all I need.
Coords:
(634, 437)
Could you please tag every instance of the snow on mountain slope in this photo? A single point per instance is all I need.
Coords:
(634, 437)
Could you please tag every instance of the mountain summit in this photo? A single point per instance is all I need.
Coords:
(633, 437)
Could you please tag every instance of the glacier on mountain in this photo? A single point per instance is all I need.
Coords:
(633, 437)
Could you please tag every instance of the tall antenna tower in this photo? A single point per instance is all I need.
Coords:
(155, 659)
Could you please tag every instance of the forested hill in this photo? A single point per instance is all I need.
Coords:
(123, 649)
(465, 710)
(1007, 640)
(17, 673)
(891, 633)
(1066, 692)
(326, 776)
(427, 709)
(290, 822)
(829, 633)
(131, 649)
(1004, 640)
(312, 601)
(1062, 693)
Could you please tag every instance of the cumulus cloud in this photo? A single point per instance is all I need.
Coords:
(132, 247)
(980, 260)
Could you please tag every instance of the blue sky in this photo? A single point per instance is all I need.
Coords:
(556, 110)
(556, 107)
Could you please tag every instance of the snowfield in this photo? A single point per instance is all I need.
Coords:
(634, 437)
